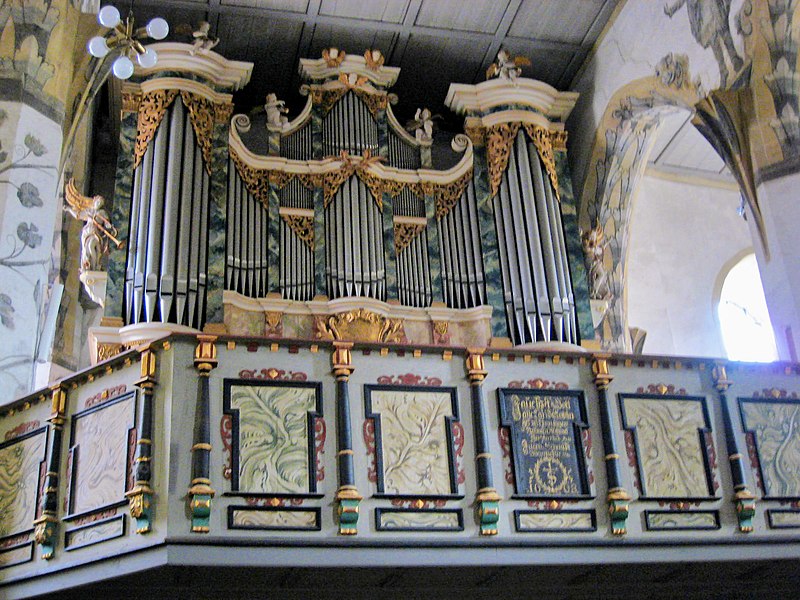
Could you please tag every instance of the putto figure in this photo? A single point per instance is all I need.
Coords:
(276, 111)
(97, 229)
(507, 67)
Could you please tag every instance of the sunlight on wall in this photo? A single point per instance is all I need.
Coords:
(744, 320)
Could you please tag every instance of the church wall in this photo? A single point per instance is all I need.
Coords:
(682, 235)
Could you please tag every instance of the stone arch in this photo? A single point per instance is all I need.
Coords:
(623, 142)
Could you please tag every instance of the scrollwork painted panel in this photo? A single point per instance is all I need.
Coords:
(775, 427)
(670, 446)
(273, 435)
(20, 461)
(414, 439)
(100, 454)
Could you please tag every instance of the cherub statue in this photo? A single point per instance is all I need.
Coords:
(333, 56)
(594, 247)
(374, 58)
(507, 67)
(422, 125)
(276, 111)
(203, 40)
(97, 230)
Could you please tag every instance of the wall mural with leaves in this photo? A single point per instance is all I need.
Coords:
(27, 196)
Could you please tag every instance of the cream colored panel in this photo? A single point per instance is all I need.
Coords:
(19, 480)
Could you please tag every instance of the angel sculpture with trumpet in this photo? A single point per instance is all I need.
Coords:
(97, 230)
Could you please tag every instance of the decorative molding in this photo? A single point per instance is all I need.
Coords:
(661, 389)
(105, 395)
(272, 374)
(359, 325)
(322, 68)
(494, 93)
(21, 429)
(224, 73)
(538, 384)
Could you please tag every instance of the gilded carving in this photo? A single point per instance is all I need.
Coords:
(303, 228)
(448, 194)
(131, 101)
(256, 180)
(404, 234)
(274, 323)
(106, 350)
(375, 101)
(359, 325)
(152, 108)
(558, 140)
(202, 114)
(333, 57)
(541, 139)
(324, 100)
(374, 58)
(498, 148)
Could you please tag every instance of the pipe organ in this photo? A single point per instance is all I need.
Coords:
(346, 204)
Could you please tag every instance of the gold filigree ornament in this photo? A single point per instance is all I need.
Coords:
(255, 180)
(303, 227)
(359, 325)
(448, 194)
(375, 101)
(152, 108)
(106, 350)
(324, 100)
(404, 234)
(499, 140)
(542, 140)
(202, 113)
(558, 139)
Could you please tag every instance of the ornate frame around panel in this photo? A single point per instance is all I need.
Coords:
(579, 425)
(756, 460)
(74, 449)
(708, 461)
(22, 536)
(314, 509)
(520, 529)
(456, 511)
(715, 513)
(312, 418)
(450, 420)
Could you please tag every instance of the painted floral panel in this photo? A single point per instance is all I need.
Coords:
(555, 521)
(414, 441)
(19, 482)
(100, 468)
(273, 442)
(682, 520)
(776, 426)
(671, 459)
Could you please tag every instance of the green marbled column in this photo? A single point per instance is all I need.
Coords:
(572, 234)
(218, 197)
(389, 252)
(120, 216)
(320, 285)
(434, 258)
(274, 143)
(383, 135)
(273, 241)
(491, 253)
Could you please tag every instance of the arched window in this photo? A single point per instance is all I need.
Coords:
(743, 317)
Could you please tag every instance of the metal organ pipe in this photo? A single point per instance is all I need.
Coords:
(170, 235)
(533, 260)
(461, 257)
(155, 223)
(186, 218)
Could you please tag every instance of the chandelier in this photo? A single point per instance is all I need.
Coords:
(126, 40)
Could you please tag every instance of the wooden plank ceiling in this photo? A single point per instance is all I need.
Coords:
(435, 42)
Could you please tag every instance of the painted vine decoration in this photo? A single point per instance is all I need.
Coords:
(152, 108)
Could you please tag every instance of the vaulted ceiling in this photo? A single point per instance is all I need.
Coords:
(435, 42)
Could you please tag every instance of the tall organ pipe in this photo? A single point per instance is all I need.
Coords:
(170, 235)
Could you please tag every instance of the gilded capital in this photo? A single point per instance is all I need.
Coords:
(205, 354)
(602, 377)
(720, 376)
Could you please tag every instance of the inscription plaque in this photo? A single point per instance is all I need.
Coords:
(546, 449)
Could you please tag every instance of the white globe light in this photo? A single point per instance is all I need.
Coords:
(157, 28)
(148, 58)
(98, 47)
(123, 67)
(108, 16)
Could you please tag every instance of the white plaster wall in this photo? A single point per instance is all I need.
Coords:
(682, 236)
